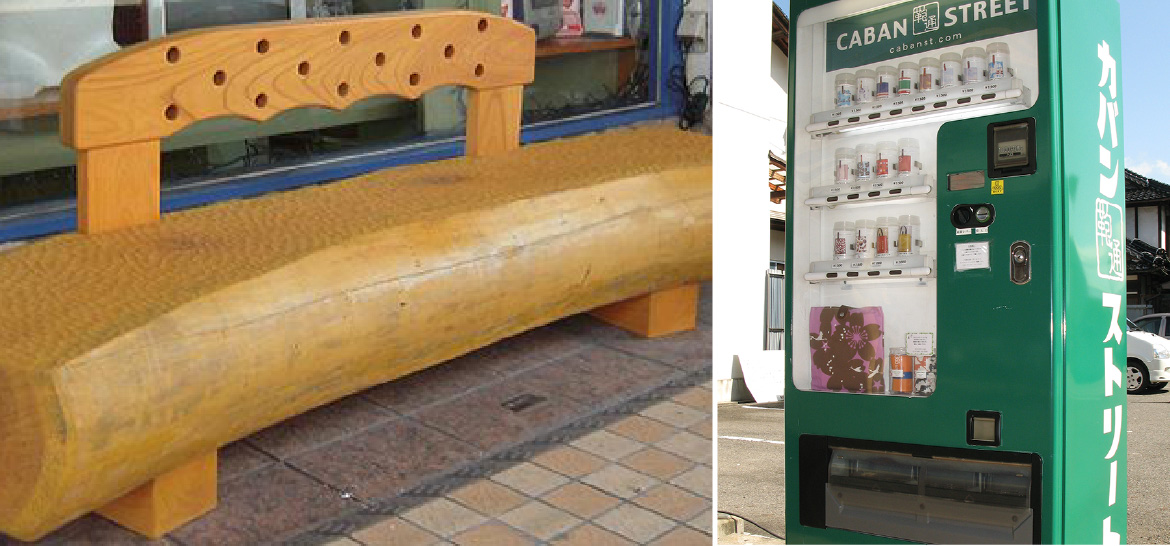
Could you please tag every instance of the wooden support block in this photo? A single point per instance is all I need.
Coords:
(117, 186)
(168, 501)
(655, 314)
(493, 120)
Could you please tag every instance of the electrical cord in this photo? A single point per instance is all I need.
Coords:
(694, 104)
(761, 527)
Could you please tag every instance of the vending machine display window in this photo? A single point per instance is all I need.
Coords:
(866, 166)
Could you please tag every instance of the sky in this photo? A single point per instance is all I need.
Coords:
(1145, 86)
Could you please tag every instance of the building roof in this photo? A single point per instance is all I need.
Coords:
(1142, 190)
(1142, 257)
(780, 28)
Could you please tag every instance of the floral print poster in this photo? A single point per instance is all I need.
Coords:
(847, 349)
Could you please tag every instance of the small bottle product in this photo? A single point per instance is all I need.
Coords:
(866, 86)
(974, 62)
(901, 371)
(908, 160)
(952, 67)
(866, 159)
(909, 227)
(925, 375)
(929, 69)
(843, 236)
(844, 89)
(864, 242)
(887, 82)
(882, 246)
(887, 159)
(907, 77)
(998, 60)
(843, 165)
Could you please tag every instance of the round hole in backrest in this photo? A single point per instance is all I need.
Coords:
(343, 37)
(219, 78)
(304, 68)
(173, 54)
(415, 78)
(380, 59)
(261, 100)
(343, 89)
(263, 46)
(172, 112)
(416, 31)
(449, 51)
(479, 70)
(483, 24)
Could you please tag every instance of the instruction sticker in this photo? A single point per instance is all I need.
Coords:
(970, 256)
(997, 187)
(920, 344)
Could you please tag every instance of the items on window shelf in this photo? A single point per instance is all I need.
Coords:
(901, 371)
(952, 66)
(866, 86)
(907, 75)
(845, 88)
(909, 238)
(847, 349)
(999, 60)
(604, 17)
(544, 16)
(929, 69)
(925, 375)
(887, 81)
(974, 64)
(571, 25)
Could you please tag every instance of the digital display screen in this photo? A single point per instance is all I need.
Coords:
(1011, 145)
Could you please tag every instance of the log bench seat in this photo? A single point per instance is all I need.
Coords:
(131, 351)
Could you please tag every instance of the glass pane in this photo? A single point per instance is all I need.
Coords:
(597, 65)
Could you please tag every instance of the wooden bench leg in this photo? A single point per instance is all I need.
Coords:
(655, 314)
(168, 501)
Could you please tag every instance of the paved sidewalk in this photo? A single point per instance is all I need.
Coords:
(637, 474)
(575, 431)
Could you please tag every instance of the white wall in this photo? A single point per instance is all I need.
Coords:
(776, 245)
(748, 107)
(1147, 226)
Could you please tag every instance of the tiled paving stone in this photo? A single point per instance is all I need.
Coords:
(688, 445)
(319, 426)
(530, 479)
(569, 461)
(620, 481)
(590, 535)
(581, 500)
(239, 458)
(642, 429)
(532, 348)
(94, 530)
(683, 536)
(540, 520)
(674, 502)
(598, 374)
(697, 480)
(395, 531)
(635, 523)
(443, 517)
(488, 497)
(262, 505)
(492, 534)
(433, 385)
(676, 415)
(607, 445)
(385, 460)
(657, 463)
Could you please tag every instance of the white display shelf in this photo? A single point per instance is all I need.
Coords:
(882, 189)
(871, 269)
(918, 105)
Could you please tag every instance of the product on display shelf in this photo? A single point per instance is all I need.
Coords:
(866, 159)
(843, 90)
(952, 67)
(846, 345)
(925, 375)
(974, 61)
(882, 246)
(863, 245)
(901, 367)
(843, 238)
(887, 82)
(605, 17)
(866, 86)
(887, 159)
(998, 60)
(928, 74)
(909, 227)
(571, 25)
(908, 160)
(843, 165)
(907, 76)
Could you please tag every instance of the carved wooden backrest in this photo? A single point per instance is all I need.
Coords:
(116, 110)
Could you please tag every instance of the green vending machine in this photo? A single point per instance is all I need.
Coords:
(956, 273)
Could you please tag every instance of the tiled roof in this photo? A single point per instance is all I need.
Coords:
(1139, 189)
(1142, 257)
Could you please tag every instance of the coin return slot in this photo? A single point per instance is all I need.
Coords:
(874, 193)
(895, 192)
(895, 112)
(853, 196)
(964, 100)
(851, 274)
(834, 123)
(874, 273)
(942, 104)
(831, 275)
(874, 116)
(895, 271)
(988, 96)
(918, 108)
(854, 120)
(832, 199)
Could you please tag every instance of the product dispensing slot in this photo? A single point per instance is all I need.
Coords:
(929, 499)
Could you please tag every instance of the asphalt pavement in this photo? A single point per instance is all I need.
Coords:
(751, 465)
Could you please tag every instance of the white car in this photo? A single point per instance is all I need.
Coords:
(1147, 355)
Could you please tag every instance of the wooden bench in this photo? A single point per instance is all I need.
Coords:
(131, 351)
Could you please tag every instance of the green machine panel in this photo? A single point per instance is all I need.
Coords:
(956, 265)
